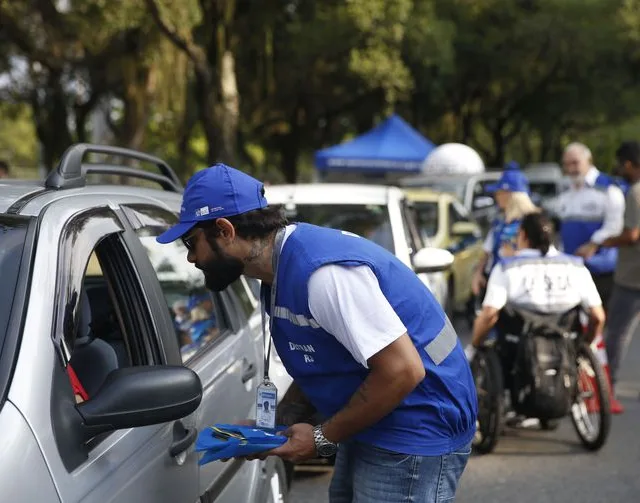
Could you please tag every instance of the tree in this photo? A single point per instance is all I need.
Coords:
(545, 66)
(205, 33)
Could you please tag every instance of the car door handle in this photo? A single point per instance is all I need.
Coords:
(182, 444)
(249, 372)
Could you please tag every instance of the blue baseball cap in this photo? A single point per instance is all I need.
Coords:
(215, 192)
(512, 180)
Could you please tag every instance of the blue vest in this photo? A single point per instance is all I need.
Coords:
(575, 233)
(439, 416)
(503, 233)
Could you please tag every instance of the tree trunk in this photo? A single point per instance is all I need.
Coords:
(290, 152)
(220, 111)
(49, 106)
(499, 147)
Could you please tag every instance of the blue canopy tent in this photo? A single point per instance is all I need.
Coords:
(392, 146)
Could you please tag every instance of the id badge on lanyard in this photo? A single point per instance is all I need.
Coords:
(267, 394)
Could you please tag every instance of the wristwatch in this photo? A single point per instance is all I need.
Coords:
(324, 447)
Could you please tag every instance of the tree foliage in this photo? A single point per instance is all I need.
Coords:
(262, 84)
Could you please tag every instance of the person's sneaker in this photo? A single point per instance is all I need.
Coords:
(616, 406)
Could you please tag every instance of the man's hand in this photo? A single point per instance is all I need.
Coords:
(587, 250)
(300, 446)
(478, 282)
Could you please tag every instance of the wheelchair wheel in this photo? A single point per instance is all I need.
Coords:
(487, 373)
(590, 411)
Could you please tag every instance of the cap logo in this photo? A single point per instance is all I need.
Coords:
(201, 212)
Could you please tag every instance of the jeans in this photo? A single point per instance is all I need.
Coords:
(624, 308)
(367, 474)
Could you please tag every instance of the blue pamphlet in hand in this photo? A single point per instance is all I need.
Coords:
(222, 441)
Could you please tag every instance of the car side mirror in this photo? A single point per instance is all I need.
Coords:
(432, 260)
(482, 202)
(465, 229)
(141, 396)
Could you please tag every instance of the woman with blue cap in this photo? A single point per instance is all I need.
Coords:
(512, 197)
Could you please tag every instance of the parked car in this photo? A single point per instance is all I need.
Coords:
(376, 212)
(445, 223)
(546, 182)
(88, 291)
(470, 190)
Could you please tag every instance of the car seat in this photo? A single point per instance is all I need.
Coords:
(92, 358)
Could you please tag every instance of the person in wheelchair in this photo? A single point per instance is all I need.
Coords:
(538, 280)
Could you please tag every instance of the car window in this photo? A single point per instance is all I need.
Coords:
(427, 218)
(100, 324)
(370, 221)
(198, 314)
(13, 232)
(456, 215)
(451, 185)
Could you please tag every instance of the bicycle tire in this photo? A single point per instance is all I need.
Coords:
(602, 390)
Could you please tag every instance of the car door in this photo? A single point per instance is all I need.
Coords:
(212, 340)
(436, 281)
(130, 465)
(466, 248)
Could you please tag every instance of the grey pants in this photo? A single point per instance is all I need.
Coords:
(623, 310)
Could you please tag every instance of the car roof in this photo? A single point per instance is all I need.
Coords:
(416, 180)
(14, 190)
(332, 193)
(34, 197)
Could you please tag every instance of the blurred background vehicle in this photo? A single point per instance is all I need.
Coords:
(471, 190)
(376, 212)
(444, 222)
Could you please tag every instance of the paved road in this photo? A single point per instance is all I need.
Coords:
(534, 466)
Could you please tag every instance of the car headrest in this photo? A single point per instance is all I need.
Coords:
(84, 327)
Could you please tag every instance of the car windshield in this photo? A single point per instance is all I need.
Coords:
(13, 232)
(367, 220)
(427, 219)
(454, 186)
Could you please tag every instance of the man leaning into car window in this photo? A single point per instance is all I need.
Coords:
(364, 339)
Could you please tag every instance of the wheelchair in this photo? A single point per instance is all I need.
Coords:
(497, 364)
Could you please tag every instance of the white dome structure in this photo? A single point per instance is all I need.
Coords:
(453, 159)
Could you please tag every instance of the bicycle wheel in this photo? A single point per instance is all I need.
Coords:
(487, 373)
(590, 412)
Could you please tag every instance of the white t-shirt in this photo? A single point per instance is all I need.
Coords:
(543, 286)
(347, 302)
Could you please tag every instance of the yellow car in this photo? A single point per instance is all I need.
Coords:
(444, 222)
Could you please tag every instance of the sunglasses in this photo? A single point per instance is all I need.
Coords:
(189, 241)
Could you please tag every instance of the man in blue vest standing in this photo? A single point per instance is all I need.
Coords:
(364, 340)
(590, 212)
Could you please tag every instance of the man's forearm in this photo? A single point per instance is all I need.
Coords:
(629, 237)
(615, 241)
(377, 396)
(483, 325)
(294, 407)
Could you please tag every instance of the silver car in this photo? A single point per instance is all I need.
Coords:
(113, 355)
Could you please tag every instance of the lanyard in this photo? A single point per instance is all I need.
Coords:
(266, 341)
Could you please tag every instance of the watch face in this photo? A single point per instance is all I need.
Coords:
(327, 450)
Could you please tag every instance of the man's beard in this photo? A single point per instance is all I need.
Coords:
(220, 272)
